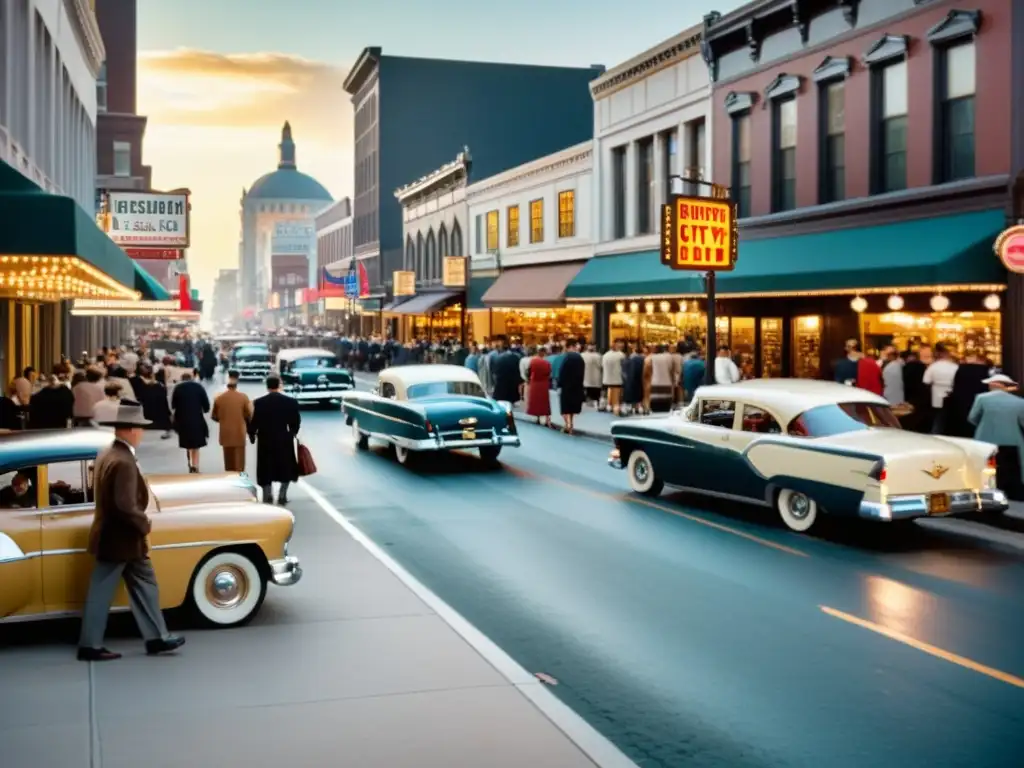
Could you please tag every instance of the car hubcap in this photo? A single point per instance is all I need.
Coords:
(227, 586)
(640, 470)
(799, 506)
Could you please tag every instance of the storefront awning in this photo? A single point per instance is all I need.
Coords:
(427, 303)
(393, 306)
(339, 268)
(542, 285)
(148, 286)
(948, 252)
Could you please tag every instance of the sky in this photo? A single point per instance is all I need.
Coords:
(218, 79)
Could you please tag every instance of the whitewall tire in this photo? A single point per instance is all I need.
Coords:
(362, 439)
(227, 590)
(798, 511)
(641, 474)
(403, 454)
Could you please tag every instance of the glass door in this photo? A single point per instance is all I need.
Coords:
(807, 347)
(771, 347)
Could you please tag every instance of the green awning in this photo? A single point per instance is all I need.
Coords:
(475, 291)
(148, 286)
(948, 250)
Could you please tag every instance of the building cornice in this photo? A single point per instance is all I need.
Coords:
(87, 30)
(577, 157)
(447, 173)
(682, 46)
(361, 70)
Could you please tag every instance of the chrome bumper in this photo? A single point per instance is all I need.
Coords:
(320, 394)
(286, 571)
(436, 444)
(910, 507)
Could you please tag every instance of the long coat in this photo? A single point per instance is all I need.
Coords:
(120, 526)
(505, 371)
(538, 391)
(273, 427)
(633, 379)
(152, 396)
(190, 402)
(570, 383)
(232, 410)
(51, 408)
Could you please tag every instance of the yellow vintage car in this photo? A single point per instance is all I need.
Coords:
(215, 548)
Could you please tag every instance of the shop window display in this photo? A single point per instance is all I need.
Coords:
(446, 324)
(807, 347)
(743, 340)
(658, 327)
(540, 326)
(964, 333)
(771, 347)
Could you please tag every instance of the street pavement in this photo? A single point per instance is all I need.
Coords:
(703, 634)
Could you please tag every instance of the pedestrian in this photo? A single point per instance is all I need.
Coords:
(999, 417)
(538, 388)
(232, 410)
(571, 389)
(611, 377)
(524, 371)
(52, 407)
(939, 376)
(892, 376)
(274, 427)
(844, 370)
(87, 393)
(592, 375)
(726, 371)
(505, 370)
(665, 373)
(916, 392)
(119, 541)
(107, 408)
(633, 380)
(694, 373)
(155, 405)
(969, 381)
(189, 406)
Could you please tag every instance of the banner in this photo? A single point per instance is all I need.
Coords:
(184, 293)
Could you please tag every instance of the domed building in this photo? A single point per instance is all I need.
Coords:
(277, 252)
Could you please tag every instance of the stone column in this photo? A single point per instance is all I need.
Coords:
(659, 192)
(605, 184)
(632, 190)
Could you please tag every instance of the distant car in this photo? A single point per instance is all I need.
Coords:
(420, 408)
(807, 448)
(252, 360)
(215, 547)
(313, 375)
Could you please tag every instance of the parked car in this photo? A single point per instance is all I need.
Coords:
(807, 448)
(215, 548)
(252, 360)
(312, 375)
(420, 408)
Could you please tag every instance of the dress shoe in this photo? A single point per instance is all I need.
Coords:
(282, 500)
(164, 645)
(97, 654)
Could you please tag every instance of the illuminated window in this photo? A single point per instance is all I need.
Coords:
(492, 230)
(956, 127)
(536, 221)
(513, 226)
(784, 167)
(567, 213)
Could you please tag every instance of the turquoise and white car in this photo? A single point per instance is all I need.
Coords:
(806, 449)
(313, 375)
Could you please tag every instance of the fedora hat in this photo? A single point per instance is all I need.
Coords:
(129, 416)
(1000, 378)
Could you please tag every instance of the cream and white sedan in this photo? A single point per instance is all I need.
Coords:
(807, 448)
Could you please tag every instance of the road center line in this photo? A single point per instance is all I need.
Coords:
(931, 650)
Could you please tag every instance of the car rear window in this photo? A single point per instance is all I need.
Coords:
(826, 420)
(436, 388)
(327, 361)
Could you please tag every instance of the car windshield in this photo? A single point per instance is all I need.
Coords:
(435, 388)
(826, 420)
(252, 352)
(327, 361)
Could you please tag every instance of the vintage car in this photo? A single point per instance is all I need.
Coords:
(807, 448)
(431, 408)
(252, 360)
(215, 548)
(312, 375)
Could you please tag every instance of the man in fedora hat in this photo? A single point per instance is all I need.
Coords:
(119, 540)
(998, 417)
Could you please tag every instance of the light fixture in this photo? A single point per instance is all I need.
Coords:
(634, 307)
(665, 306)
(992, 302)
(939, 303)
(620, 307)
(682, 306)
(895, 302)
(649, 307)
(858, 304)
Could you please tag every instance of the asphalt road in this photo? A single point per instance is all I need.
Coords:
(694, 635)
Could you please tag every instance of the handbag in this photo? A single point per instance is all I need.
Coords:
(305, 460)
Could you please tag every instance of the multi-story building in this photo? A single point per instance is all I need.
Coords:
(871, 168)
(413, 114)
(334, 260)
(225, 299)
(531, 231)
(652, 124)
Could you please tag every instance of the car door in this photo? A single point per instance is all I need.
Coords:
(710, 458)
(752, 423)
(21, 590)
(394, 415)
(66, 518)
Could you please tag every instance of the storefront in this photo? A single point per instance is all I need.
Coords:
(792, 301)
(528, 305)
(432, 315)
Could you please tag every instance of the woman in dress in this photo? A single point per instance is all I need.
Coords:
(189, 406)
(538, 397)
(571, 392)
(633, 381)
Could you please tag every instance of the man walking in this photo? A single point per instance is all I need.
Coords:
(232, 410)
(274, 427)
(119, 540)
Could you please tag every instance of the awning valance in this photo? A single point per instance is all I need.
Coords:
(951, 252)
(148, 286)
(542, 285)
(426, 303)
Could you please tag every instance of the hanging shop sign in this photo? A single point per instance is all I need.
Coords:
(699, 233)
(454, 272)
(404, 283)
(1009, 248)
(148, 219)
(153, 254)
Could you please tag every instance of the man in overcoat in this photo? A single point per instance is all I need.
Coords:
(274, 427)
(119, 540)
(232, 410)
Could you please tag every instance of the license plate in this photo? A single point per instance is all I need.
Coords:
(938, 504)
(468, 434)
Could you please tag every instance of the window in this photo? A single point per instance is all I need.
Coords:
(419, 254)
(893, 128)
(432, 270)
(492, 231)
(828, 420)
(122, 158)
(18, 489)
(618, 193)
(513, 226)
(741, 164)
(442, 242)
(457, 239)
(833, 167)
(671, 139)
(695, 137)
(478, 238)
(434, 388)
(784, 162)
(67, 482)
(957, 119)
(387, 389)
(306, 363)
(717, 413)
(645, 178)
(536, 221)
(410, 255)
(101, 89)
(760, 421)
(567, 213)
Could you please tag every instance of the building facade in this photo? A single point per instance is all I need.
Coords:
(652, 130)
(334, 257)
(225, 313)
(407, 125)
(532, 229)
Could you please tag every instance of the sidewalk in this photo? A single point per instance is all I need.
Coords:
(357, 665)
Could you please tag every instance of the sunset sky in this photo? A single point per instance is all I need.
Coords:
(218, 80)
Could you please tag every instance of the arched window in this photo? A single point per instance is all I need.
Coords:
(410, 254)
(442, 242)
(457, 239)
(431, 271)
(419, 269)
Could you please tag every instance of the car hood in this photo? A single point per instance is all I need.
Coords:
(447, 412)
(183, 490)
